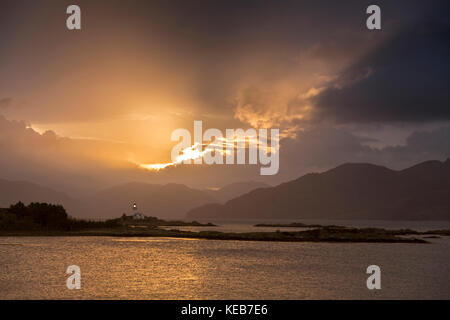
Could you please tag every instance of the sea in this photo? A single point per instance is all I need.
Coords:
(177, 268)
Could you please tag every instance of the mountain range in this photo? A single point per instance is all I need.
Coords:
(164, 201)
(234, 190)
(14, 191)
(349, 191)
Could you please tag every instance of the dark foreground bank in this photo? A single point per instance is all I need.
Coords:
(41, 219)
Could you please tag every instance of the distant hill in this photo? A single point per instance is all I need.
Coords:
(350, 191)
(14, 191)
(163, 201)
(235, 189)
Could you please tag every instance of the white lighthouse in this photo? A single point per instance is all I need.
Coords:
(136, 215)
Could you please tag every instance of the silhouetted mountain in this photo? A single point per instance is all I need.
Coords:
(350, 191)
(235, 189)
(164, 201)
(14, 191)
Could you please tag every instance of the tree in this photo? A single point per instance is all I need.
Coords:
(19, 209)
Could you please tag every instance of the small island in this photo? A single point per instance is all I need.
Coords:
(400, 232)
(295, 225)
(42, 219)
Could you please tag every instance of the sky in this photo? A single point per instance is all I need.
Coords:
(80, 110)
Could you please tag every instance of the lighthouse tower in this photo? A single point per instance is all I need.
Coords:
(136, 215)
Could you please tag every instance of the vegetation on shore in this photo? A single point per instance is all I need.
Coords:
(44, 217)
(397, 232)
(41, 219)
(295, 225)
(316, 235)
(156, 222)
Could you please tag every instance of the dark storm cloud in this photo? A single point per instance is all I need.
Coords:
(324, 148)
(434, 144)
(319, 149)
(206, 48)
(407, 79)
(138, 57)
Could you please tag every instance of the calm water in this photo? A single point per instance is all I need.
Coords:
(167, 268)
(249, 225)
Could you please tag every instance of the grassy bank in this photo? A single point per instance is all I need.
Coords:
(397, 232)
(316, 235)
(42, 219)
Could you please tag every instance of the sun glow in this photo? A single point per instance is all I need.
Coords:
(191, 153)
(156, 166)
(224, 145)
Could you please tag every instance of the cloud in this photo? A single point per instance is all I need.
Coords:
(79, 165)
(5, 103)
(187, 57)
(272, 108)
(407, 79)
(299, 66)
(82, 165)
(420, 146)
(322, 148)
